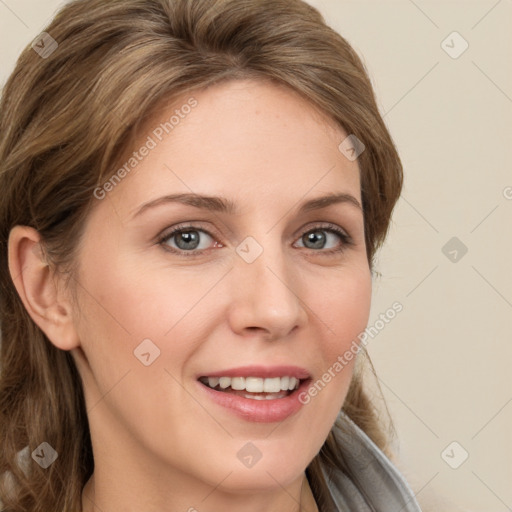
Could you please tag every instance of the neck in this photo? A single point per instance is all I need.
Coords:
(95, 498)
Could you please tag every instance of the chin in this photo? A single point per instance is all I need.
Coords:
(266, 478)
(271, 470)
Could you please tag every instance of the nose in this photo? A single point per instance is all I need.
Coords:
(265, 296)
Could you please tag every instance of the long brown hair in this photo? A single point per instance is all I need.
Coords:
(65, 119)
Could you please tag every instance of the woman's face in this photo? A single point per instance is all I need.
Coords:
(264, 288)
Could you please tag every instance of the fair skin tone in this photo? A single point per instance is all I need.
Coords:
(159, 443)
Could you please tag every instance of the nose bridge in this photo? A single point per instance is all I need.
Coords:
(266, 284)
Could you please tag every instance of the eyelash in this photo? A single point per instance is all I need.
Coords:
(331, 228)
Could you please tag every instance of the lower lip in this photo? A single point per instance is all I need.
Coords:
(261, 411)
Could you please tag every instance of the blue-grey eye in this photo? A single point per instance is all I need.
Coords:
(318, 238)
(188, 239)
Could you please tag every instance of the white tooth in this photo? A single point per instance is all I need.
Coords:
(254, 384)
(285, 381)
(238, 383)
(225, 382)
(272, 385)
(293, 383)
(275, 396)
(255, 397)
(213, 381)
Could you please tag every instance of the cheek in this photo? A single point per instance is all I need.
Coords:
(130, 317)
(132, 304)
(125, 315)
(341, 309)
(343, 305)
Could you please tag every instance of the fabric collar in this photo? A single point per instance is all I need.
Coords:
(380, 487)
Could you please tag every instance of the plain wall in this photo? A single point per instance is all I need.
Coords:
(443, 362)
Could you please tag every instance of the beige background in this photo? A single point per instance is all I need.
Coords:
(443, 362)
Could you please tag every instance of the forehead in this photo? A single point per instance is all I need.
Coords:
(255, 141)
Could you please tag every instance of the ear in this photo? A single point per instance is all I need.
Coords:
(39, 288)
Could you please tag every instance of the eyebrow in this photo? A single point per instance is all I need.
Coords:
(223, 205)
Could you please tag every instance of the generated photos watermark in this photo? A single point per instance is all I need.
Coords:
(344, 359)
(157, 136)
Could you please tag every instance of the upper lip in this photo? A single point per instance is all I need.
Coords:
(261, 371)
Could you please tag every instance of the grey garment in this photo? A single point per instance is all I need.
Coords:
(379, 488)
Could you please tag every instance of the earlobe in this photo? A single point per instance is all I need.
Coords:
(38, 287)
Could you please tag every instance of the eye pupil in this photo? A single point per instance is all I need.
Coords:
(317, 238)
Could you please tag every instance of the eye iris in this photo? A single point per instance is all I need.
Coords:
(187, 240)
(316, 237)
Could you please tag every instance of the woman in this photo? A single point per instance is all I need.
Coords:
(193, 192)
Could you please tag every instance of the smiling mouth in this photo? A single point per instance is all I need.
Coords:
(255, 388)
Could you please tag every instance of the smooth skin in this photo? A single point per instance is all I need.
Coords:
(159, 444)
